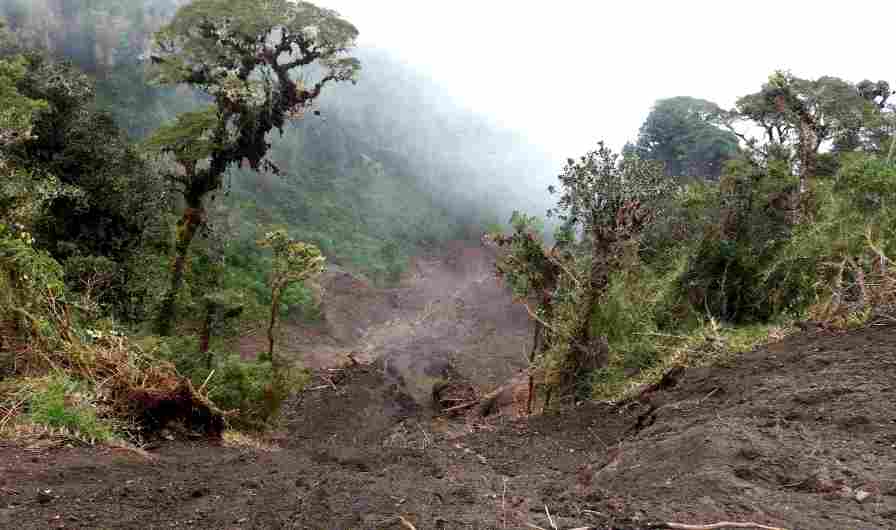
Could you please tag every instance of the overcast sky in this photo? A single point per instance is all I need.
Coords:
(569, 72)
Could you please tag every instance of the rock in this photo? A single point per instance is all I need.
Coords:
(44, 496)
(862, 495)
(199, 493)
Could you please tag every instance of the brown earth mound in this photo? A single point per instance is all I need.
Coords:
(800, 435)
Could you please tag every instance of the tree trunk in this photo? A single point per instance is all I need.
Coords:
(586, 350)
(211, 314)
(598, 279)
(186, 230)
(536, 348)
(205, 335)
(808, 163)
(275, 306)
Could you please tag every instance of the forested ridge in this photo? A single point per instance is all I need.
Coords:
(180, 179)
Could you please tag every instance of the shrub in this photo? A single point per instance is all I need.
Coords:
(59, 402)
(842, 259)
(238, 385)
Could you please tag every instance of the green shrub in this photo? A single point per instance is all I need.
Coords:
(633, 313)
(236, 384)
(59, 402)
(840, 261)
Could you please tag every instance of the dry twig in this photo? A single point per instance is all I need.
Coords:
(550, 519)
(504, 505)
(11, 413)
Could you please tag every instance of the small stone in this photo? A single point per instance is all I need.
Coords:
(44, 496)
(862, 495)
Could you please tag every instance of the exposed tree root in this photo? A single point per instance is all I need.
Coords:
(156, 407)
(484, 405)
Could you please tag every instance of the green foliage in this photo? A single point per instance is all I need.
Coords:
(294, 261)
(525, 266)
(351, 214)
(841, 261)
(235, 58)
(241, 385)
(683, 133)
(17, 111)
(59, 402)
(235, 384)
(798, 115)
(233, 33)
(28, 274)
(243, 55)
(189, 139)
(78, 185)
(246, 386)
(595, 188)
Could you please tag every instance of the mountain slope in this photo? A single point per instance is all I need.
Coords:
(799, 434)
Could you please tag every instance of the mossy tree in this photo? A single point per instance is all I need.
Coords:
(261, 63)
(611, 201)
(800, 115)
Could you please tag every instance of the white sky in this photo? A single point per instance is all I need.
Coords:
(569, 72)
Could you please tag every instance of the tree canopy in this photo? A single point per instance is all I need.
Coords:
(684, 133)
(242, 54)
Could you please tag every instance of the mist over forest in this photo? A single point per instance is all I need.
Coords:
(419, 167)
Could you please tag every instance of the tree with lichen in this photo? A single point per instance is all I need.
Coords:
(292, 262)
(611, 201)
(261, 63)
(799, 115)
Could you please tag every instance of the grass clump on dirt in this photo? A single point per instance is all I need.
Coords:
(59, 402)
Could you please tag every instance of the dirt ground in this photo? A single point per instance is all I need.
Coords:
(800, 435)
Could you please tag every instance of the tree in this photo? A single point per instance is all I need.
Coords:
(684, 134)
(876, 127)
(21, 191)
(807, 113)
(244, 55)
(17, 111)
(611, 201)
(532, 272)
(293, 261)
(89, 192)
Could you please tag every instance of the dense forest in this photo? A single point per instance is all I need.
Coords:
(176, 173)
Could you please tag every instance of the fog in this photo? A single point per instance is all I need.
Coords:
(483, 101)
(464, 155)
(569, 72)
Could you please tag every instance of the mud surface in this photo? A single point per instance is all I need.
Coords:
(800, 435)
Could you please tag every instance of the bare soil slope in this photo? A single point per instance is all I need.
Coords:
(800, 435)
